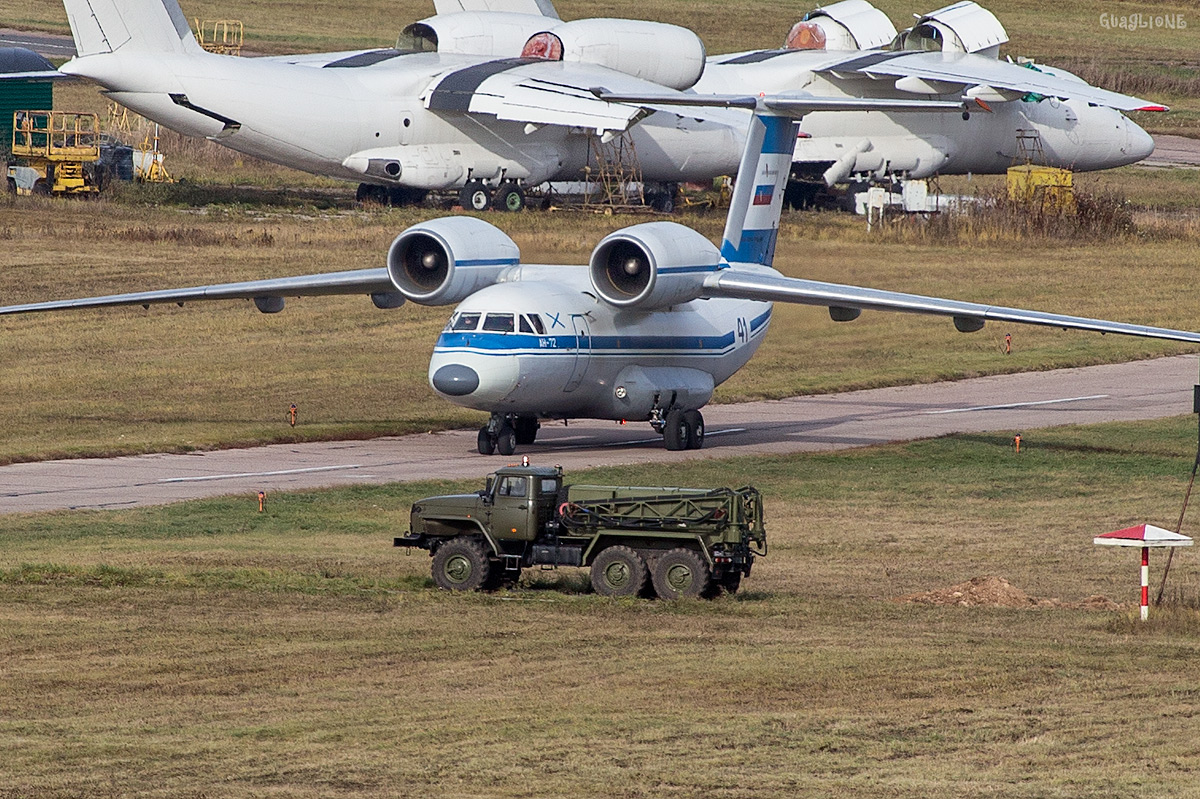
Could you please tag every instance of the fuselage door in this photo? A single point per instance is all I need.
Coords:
(583, 351)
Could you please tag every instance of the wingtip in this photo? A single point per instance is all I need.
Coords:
(1153, 107)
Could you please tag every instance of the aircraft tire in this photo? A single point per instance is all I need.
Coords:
(506, 440)
(461, 564)
(371, 193)
(619, 571)
(526, 428)
(485, 443)
(695, 426)
(475, 196)
(681, 573)
(675, 431)
(509, 197)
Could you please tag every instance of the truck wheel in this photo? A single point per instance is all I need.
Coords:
(619, 571)
(731, 581)
(695, 426)
(41, 188)
(680, 573)
(460, 564)
(12, 186)
(506, 440)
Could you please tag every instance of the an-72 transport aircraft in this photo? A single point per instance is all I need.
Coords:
(645, 331)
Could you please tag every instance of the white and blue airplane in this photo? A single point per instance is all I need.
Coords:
(644, 332)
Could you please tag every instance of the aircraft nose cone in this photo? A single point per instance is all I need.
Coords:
(455, 380)
(1140, 143)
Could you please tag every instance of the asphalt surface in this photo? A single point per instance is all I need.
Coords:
(45, 44)
(1008, 404)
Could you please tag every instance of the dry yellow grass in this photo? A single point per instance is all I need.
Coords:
(205, 649)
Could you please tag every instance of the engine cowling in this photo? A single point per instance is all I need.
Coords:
(651, 266)
(490, 33)
(443, 261)
(664, 54)
(848, 25)
(964, 27)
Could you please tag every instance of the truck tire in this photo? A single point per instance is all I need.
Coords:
(619, 571)
(681, 573)
(731, 581)
(461, 564)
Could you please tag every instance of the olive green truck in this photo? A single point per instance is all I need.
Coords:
(673, 542)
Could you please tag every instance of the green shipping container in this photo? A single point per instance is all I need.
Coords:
(19, 95)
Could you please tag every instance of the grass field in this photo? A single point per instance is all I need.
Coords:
(203, 649)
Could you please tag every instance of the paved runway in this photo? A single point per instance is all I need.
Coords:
(48, 45)
(1012, 403)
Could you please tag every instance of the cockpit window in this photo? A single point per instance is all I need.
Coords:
(465, 321)
(499, 323)
(537, 324)
(525, 326)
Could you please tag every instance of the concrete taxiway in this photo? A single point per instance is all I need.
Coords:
(1010, 403)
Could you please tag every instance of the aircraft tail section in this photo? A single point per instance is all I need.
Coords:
(753, 221)
(109, 26)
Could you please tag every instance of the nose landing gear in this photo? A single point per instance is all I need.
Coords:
(505, 432)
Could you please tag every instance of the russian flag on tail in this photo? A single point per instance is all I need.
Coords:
(763, 194)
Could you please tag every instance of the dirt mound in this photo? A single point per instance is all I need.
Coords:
(996, 592)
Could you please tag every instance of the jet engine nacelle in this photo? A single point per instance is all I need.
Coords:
(848, 25)
(492, 33)
(444, 261)
(651, 266)
(664, 54)
(965, 27)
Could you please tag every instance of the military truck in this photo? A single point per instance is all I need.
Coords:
(673, 542)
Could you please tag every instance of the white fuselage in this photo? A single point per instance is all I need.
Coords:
(1069, 134)
(315, 118)
(592, 360)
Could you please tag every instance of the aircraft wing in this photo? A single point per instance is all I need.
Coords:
(267, 294)
(968, 316)
(970, 70)
(542, 93)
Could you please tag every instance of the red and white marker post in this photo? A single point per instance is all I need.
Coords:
(1144, 536)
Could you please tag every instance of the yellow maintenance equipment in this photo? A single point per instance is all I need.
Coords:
(1044, 188)
(222, 36)
(55, 152)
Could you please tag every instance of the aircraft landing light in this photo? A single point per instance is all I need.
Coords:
(280, 472)
(1017, 405)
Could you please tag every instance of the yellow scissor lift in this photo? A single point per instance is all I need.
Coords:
(55, 149)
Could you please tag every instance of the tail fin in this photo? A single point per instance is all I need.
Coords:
(753, 221)
(106, 26)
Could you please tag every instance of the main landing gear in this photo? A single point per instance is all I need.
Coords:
(680, 429)
(505, 432)
(479, 196)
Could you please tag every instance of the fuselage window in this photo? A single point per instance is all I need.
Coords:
(465, 321)
(499, 323)
(537, 324)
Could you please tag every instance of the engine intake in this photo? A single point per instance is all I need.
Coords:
(664, 54)
(848, 25)
(444, 261)
(651, 266)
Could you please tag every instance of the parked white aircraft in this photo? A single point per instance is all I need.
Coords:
(400, 120)
(645, 331)
(1029, 112)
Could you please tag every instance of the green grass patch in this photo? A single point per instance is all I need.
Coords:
(206, 648)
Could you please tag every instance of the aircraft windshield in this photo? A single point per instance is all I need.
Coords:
(499, 323)
(465, 321)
